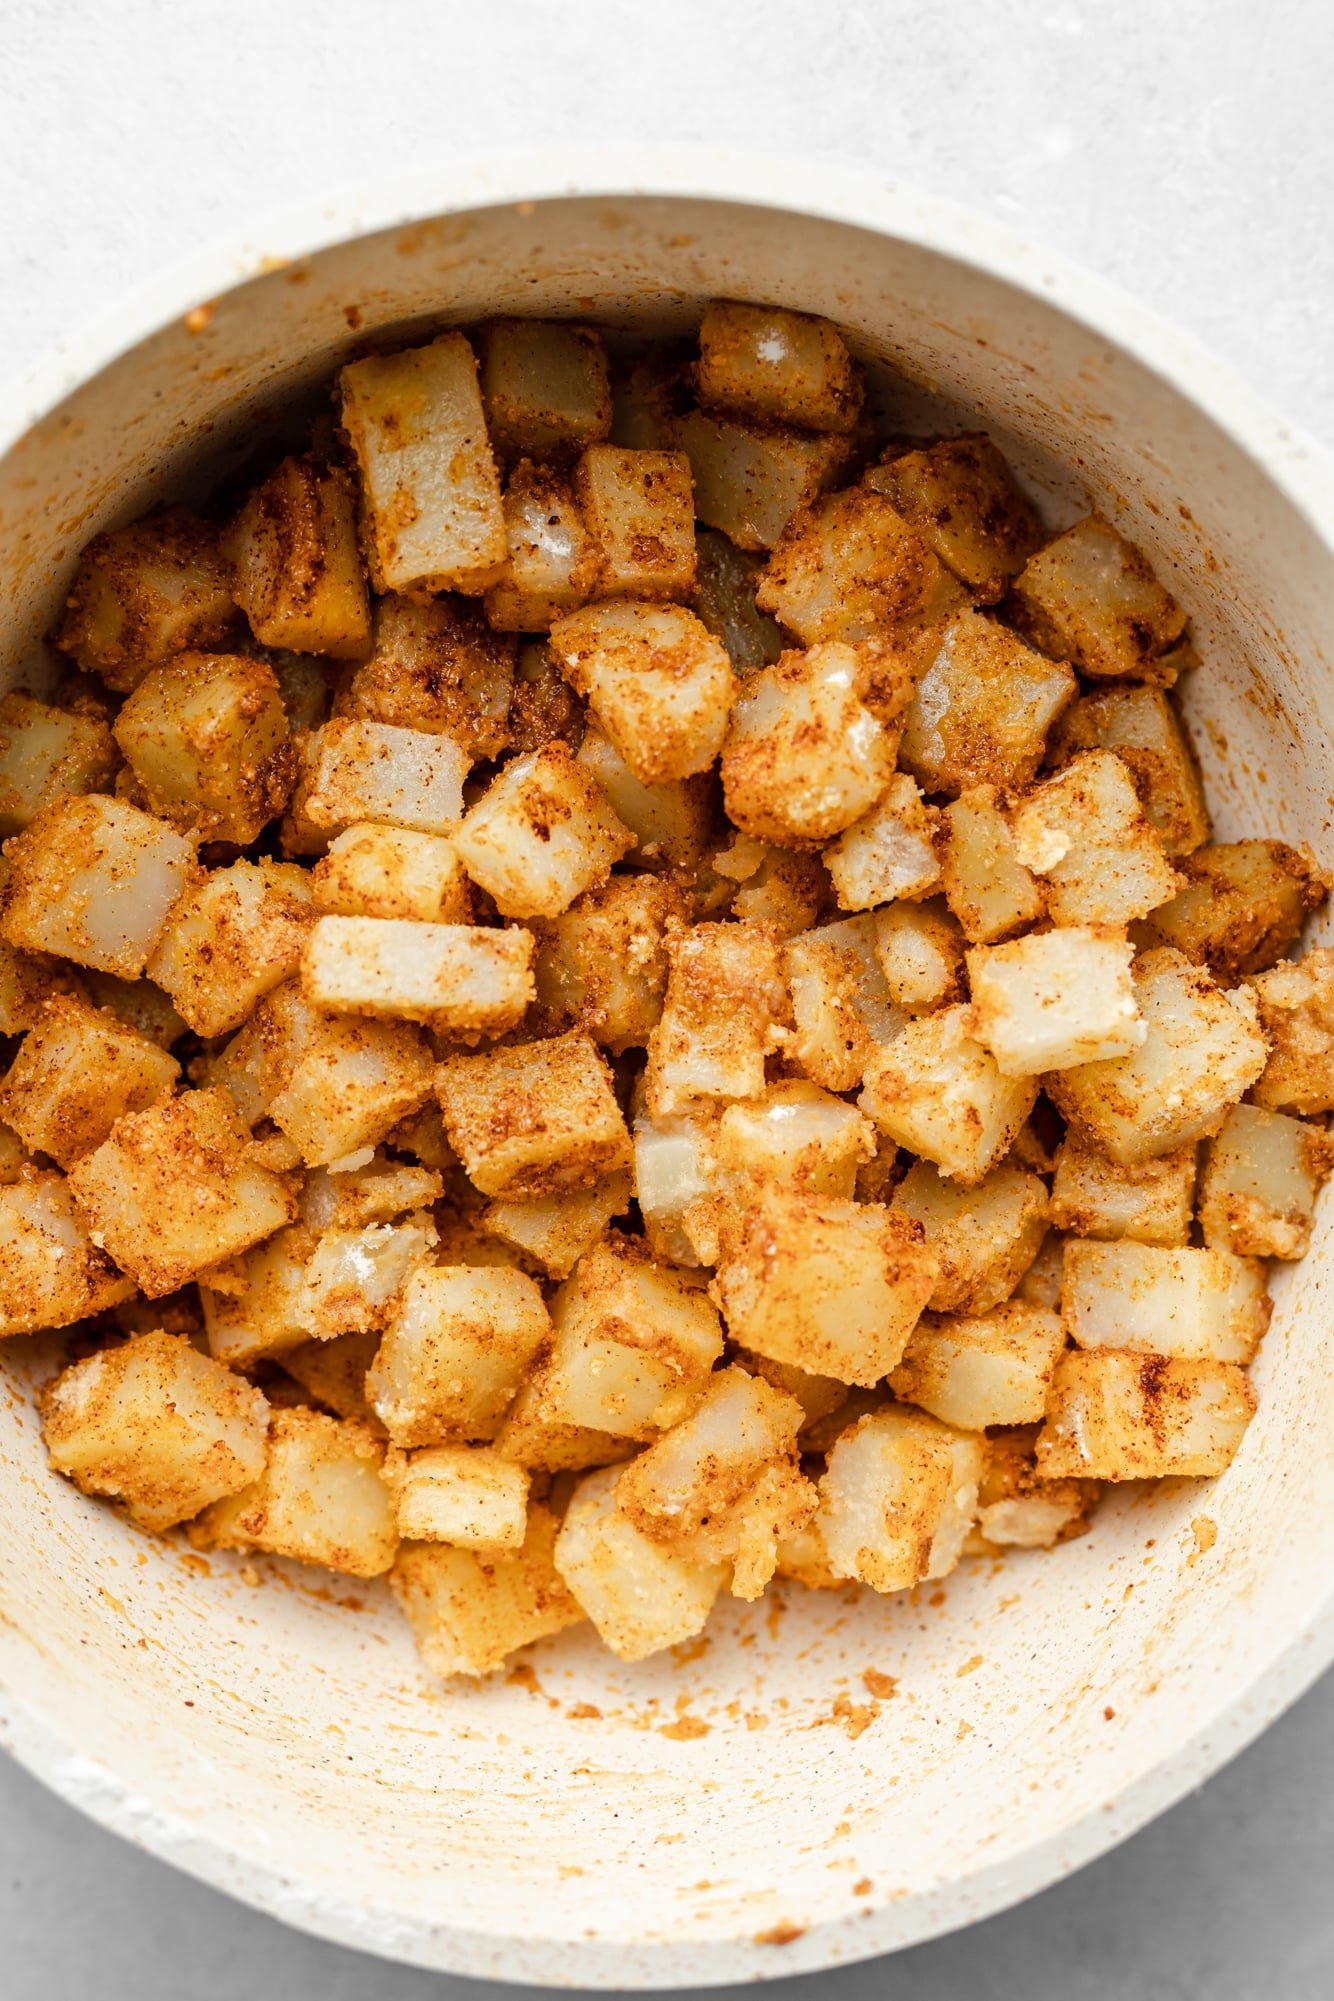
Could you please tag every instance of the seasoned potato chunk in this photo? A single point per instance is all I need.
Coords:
(1261, 1178)
(833, 1287)
(145, 592)
(640, 1596)
(541, 834)
(1296, 1004)
(554, 564)
(206, 737)
(334, 1373)
(889, 853)
(51, 1271)
(719, 1019)
(805, 756)
(1201, 1052)
(77, 1071)
(602, 967)
(94, 880)
(1054, 999)
(545, 387)
(171, 1191)
(783, 887)
(983, 1238)
(230, 940)
(344, 1199)
(299, 578)
(639, 508)
(294, 1287)
(849, 567)
(556, 1230)
(319, 1499)
(1121, 1415)
(920, 949)
(438, 668)
(462, 979)
(960, 495)
(155, 1425)
(463, 1494)
(725, 583)
(897, 1499)
(532, 1438)
(470, 1610)
(777, 367)
(1190, 1303)
(455, 1352)
(336, 1086)
(1243, 903)
(1150, 1201)
(657, 680)
(430, 491)
(674, 1169)
(937, 1091)
(987, 887)
(534, 1119)
(749, 481)
(975, 1371)
(670, 823)
(797, 1136)
(354, 770)
(1091, 597)
(1016, 1507)
(46, 753)
(1084, 833)
(372, 871)
(1141, 726)
(982, 708)
(840, 1003)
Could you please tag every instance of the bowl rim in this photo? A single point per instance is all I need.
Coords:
(1302, 471)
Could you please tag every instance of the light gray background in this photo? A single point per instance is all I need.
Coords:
(1181, 147)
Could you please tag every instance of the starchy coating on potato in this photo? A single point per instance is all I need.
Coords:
(805, 755)
(983, 705)
(797, 1136)
(94, 880)
(230, 940)
(319, 1499)
(470, 1610)
(1085, 835)
(1141, 726)
(897, 1499)
(1242, 904)
(554, 1231)
(1183, 1301)
(658, 681)
(438, 668)
(987, 887)
(841, 1007)
(889, 853)
(297, 567)
(354, 770)
(545, 385)
(602, 966)
(78, 1070)
(1118, 1415)
(751, 482)
(1091, 597)
(206, 737)
(961, 496)
(142, 593)
(1262, 1174)
(455, 1352)
(720, 1017)
(639, 510)
(1296, 1016)
(1054, 999)
(984, 1238)
(937, 1091)
(44, 754)
(670, 823)
(334, 1373)
(976, 1370)
(52, 1270)
(849, 567)
(464, 980)
(554, 564)
(920, 947)
(1019, 1509)
(541, 834)
(640, 1596)
(777, 367)
(466, 1495)
(1150, 1201)
(373, 871)
(533, 1119)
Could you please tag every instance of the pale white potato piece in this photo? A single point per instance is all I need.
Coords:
(962, 498)
(231, 939)
(1091, 597)
(1296, 1016)
(375, 871)
(777, 367)
(1141, 726)
(937, 1091)
(720, 1017)
(354, 1276)
(897, 1498)
(533, 1119)
(145, 592)
(639, 1596)
(382, 1190)
(797, 1136)
(1195, 1304)
(984, 1238)
(783, 887)
(355, 769)
(553, 563)
(848, 566)
(1041, 1283)
(51, 1271)
(670, 822)
(674, 1168)
(299, 578)
(470, 1610)
(455, 1352)
(920, 948)
(805, 756)
(602, 966)
(1019, 1509)
(841, 1007)
(545, 386)
(1150, 1202)
(319, 1499)
(982, 708)
(750, 481)
(639, 510)
(972, 1371)
(465, 980)
(1085, 834)
(987, 887)
(541, 834)
(77, 1071)
(1261, 1177)
(1116, 1415)
(658, 681)
(206, 737)
(94, 880)
(889, 853)
(348, 1083)
(46, 753)
(1054, 999)
(462, 1494)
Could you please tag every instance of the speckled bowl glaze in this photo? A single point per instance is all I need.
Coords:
(825, 1777)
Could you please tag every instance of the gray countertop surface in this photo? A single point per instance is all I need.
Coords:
(1183, 151)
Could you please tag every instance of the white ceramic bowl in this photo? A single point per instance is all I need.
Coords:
(281, 1741)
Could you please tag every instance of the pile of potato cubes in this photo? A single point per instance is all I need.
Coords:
(614, 990)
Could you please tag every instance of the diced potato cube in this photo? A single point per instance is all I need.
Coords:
(840, 1003)
(602, 967)
(657, 680)
(749, 481)
(1196, 1304)
(725, 581)
(299, 578)
(639, 1596)
(373, 871)
(818, 1396)
(554, 565)
(258, 1061)
(556, 1230)
(51, 1272)
(438, 668)
(1261, 1178)
(974, 1371)
(462, 1494)
(796, 1136)
(1122, 1415)
(77, 1071)
(805, 756)
(350, 1082)
(719, 1019)
(960, 495)
(984, 1238)
(1091, 597)
(782, 887)
(632, 1341)
(545, 386)
(1041, 1283)
(639, 509)
(834, 1287)
(1150, 1202)
(897, 1499)
(889, 853)
(455, 1352)
(533, 1119)
(469, 1610)
(430, 491)
(1016, 1507)
(674, 1169)
(334, 1373)
(172, 1191)
(231, 940)
(354, 1277)
(93, 879)
(138, 1003)
(145, 592)
(1296, 1005)
(987, 887)
(1242, 905)
(156, 1425)
(1141, 726)
(45, 753)
(540, 835)
(465, 980)
(982, 708)
(532, 1438)
(355, 770)
(262, 1311)
(670, 823)
(206, 737)
(848, 566)
(375, 1193)
(1201, 1052)
(27, 980)
(319, 1499)
(920, 949)
(14, 1156)
(777, 367)
(937, 1091)
(1083, 831)
(1054, 999)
